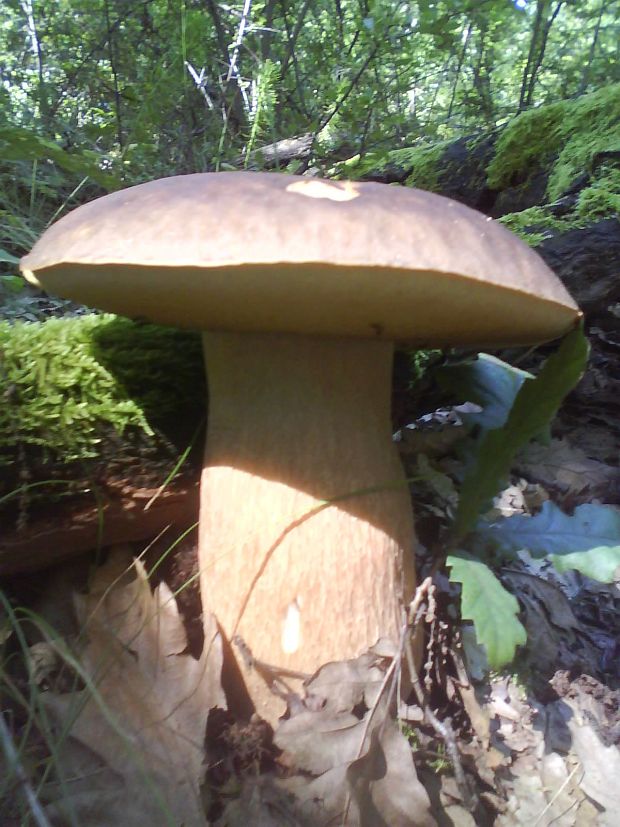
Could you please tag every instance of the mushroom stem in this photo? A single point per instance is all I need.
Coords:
(296, 422)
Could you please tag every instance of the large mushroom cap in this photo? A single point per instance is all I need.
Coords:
(271, 252)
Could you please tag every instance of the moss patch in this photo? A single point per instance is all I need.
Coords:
(567, 135)
(421, 162)
(70, 385)
(573, 137)
(537, 223)
(602, 197)
(426, 166)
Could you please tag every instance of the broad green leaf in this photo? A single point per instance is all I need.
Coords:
(488, 382)
(13, 284)
(18, 144)
(588, 541)
(492, 609)
(535, 405)
(7, 257)
(600, 563)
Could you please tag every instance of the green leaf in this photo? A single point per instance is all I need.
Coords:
(492, 609)
(13, 284)
(535, 405)
(488, 382)
(18, 144)
(7, 257)
(600, 563)
(588, 541)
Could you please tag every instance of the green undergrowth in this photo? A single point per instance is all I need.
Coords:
(535, 224)
(70, 384)
(421, 163)
(599, 200)
(568, 138)
(568, 135)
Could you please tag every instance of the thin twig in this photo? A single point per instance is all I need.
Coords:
(556, 796)
(199, 80)
(232, 68)
(389, 675)
(442, 728)
(233, 72)
(327, 118)
(274, 676)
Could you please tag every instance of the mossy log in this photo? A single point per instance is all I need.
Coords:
(551, 175)
(99, 415)
(548, 170)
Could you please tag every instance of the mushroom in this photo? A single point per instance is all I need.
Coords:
(302, 286)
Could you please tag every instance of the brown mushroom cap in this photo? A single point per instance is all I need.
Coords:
(270, 252)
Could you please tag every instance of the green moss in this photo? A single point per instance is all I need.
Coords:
(67, 384)
(600, 200)
(602, 197)
(531, 139)
(423, 161)
(426, 166)
(569, 134)
(360, 165)
(535, 224)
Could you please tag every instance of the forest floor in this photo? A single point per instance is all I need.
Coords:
(541, 745)
(537, 745)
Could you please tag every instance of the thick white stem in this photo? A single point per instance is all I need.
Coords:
(295, 422)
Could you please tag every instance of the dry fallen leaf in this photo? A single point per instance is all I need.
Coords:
(340, 686)
(346, 767)
(133, 750)
(378, 789)
(600, 762)
(568, 470)
(319, 741)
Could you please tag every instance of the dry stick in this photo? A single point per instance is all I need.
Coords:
(233, 72)
(464, 686)
(232, 68)
(225, 59)
(199, 80)
(443, 729)
(557, 794)
(396, 661)
(12, 759)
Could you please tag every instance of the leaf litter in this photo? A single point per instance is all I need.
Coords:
(342, 757)
(130, 748)
(537, 747)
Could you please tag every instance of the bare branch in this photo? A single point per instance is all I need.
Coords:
(199, 80)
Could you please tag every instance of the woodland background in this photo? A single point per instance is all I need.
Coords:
(139, 90)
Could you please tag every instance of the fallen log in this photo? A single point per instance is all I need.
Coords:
(66, 528)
